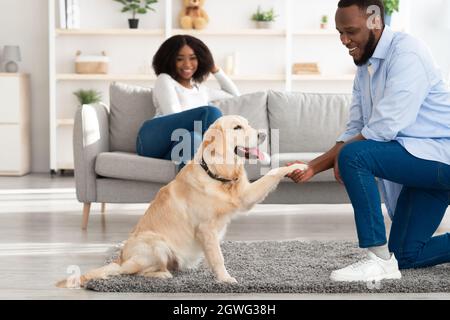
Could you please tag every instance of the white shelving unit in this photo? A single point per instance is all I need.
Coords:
(15, 124)
(270, 53)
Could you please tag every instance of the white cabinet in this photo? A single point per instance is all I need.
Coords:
(14, 124)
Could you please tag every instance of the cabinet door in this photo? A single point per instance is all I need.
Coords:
(9, 100)
(10, 148)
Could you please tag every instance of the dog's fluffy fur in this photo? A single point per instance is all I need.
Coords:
(188, 217)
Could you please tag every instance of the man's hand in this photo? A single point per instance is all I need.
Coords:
(299, 175)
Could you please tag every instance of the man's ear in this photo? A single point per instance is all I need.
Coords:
(378, 22)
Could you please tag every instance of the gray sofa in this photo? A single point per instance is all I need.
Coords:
(107, 169)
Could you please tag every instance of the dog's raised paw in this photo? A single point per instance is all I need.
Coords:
(298, 166)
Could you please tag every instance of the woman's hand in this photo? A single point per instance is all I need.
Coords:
(299, 175)
(337, 174)
(215, 69)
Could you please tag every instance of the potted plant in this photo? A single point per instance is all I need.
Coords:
(390, 6)
(324, 22)
(136, 7)
(264, 19)
(88, 96)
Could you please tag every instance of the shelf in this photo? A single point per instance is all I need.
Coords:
(317, 32)
(14, 74)
(133, 63)
(146, 77)
(321, 77)
(64, 122)
(228, 32)
(160, 32)
(104, 77)
(109, 32)
(264, 77)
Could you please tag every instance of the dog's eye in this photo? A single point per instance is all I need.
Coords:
(238, 127)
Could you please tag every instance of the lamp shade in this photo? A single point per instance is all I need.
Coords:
(11, 53)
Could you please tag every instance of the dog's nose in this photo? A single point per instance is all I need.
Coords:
(261, 137)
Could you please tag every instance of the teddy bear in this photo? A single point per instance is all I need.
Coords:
(192, 15)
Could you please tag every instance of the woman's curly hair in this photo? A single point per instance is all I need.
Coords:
(164, 60)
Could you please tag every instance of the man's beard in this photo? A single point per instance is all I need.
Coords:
(369, 49)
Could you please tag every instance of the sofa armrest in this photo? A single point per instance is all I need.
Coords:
(90, 137)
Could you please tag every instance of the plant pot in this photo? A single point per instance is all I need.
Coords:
(133, 23)
(264, 24)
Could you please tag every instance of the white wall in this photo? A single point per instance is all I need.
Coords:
(24, 23)
(430, 21)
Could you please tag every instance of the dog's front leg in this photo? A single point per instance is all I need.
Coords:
(258, 190)
(211, 247)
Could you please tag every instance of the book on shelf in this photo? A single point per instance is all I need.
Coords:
(62, 14)
(73, 14)
(306, 68)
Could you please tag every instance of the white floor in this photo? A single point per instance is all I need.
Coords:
(42, 242)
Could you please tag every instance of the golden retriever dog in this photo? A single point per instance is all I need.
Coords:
(188, 217)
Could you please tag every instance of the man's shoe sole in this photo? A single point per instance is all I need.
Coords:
(395, 275)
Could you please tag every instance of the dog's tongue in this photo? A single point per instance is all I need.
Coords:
(256, 153)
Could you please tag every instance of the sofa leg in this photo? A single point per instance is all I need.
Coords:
(103, 207)
(86, 209)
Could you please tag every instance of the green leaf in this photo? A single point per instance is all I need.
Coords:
(135, 6)
(260, 15)
(390, 6)
(88, 96)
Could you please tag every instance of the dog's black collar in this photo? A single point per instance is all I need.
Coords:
(212, 175)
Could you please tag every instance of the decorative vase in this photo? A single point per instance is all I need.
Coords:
(387, 19)
(133, 23)
(11, 67)
(264, 24)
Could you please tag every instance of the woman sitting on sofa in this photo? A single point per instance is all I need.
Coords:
(182, 63)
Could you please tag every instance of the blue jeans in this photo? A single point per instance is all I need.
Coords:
(154, 138)
(420, 207)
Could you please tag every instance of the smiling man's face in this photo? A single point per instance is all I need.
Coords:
(351, 22)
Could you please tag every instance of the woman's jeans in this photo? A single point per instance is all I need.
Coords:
(181, 132)
(420, 207)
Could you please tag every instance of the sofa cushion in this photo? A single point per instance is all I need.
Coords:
(307, 122)
(281, 159)
(252, 106)
(130, 106)
(130, 166)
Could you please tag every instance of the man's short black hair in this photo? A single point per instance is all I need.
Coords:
(363, 5)
(164, 60)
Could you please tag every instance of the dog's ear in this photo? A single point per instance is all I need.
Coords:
(209, 137)
(213, 141)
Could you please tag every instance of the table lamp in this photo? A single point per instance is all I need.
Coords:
(11, 55)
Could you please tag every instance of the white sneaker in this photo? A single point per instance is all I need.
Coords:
(371, 269)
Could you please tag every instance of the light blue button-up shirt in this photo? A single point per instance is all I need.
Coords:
(399, 95)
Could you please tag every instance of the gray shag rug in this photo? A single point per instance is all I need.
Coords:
(281, 267)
